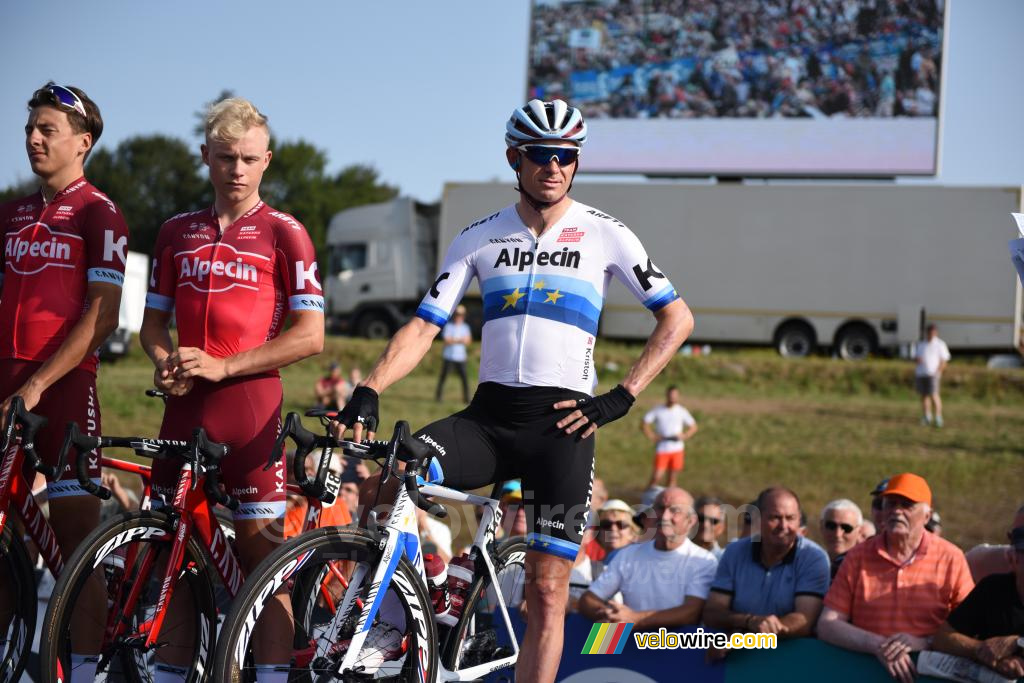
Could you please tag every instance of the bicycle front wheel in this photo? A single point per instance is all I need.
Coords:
(107, 601)
(481, 635)
(328, 573)
(17, 606)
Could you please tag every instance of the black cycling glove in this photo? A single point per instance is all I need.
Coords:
(363, 408)
(605, 408)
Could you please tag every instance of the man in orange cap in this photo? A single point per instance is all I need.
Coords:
(894, 590)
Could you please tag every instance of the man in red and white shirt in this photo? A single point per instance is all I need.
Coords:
(233, 275)
(61, 270)
(668, 426)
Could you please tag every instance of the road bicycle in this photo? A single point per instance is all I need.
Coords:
(141, 557)
(21, 516)
(382, 625)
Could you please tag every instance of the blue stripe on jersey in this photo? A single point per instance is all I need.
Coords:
(432, 314)
(105, 275)
(306, 302)
(562, 283)
(550, 304)
(552, 546)
(662, 299)
(159, 302)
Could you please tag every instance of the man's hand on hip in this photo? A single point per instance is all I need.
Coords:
(595, 412)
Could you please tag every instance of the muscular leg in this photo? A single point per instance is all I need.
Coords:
(547, 594)
(72, 518)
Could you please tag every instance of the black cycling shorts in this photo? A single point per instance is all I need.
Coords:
(510, 433)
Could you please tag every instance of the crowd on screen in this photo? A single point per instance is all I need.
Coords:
(741, 58)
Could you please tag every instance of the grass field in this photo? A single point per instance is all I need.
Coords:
(825, 428)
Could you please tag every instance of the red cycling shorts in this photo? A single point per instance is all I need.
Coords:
(245, 414)
(72, 398)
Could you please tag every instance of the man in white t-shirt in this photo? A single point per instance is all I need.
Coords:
(931, 355)
(668, 427)
(664, 582)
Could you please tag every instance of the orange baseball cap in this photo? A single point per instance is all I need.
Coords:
(909, 486)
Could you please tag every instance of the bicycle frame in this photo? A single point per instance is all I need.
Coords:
(14, 488)
(401, 537)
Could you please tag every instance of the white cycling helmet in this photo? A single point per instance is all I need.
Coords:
(539, 121)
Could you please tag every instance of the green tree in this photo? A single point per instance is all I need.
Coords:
(151, 178)
(22, 188)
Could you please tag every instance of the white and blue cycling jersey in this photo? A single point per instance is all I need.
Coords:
(542, 297)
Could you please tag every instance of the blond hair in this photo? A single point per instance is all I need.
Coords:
(230, 119)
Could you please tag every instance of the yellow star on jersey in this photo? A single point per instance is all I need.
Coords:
(512, 299)
(539, 284)
(553, 297)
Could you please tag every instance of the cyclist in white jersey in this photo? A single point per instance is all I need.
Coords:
(544, 265)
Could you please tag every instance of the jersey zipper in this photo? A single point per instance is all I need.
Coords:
(526, 307)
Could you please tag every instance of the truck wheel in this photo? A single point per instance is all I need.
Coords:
(855, 342)
(375, 325)
(794, 340)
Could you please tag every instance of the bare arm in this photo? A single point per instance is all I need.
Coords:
(683, 615)
(800, 622)
(402, 354)
(648, 432)
(593, 607)
(999, 653)
(835, 628)
(690, 431)
(675, 323)
(718, 614)
(304, 337)
(97, 322)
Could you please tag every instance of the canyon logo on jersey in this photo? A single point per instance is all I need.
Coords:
(218, 267)
(37, 247)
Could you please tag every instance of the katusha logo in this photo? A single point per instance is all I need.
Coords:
(219, 267)
(36, 247)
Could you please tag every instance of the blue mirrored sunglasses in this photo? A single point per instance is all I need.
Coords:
(543, 154)
(67, 98)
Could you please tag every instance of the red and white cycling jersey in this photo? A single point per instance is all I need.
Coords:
(51, 251)
(231, 290)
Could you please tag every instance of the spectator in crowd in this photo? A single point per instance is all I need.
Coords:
(877, 515)
(668, 427)
(355, 378)
(354, 473)
(331, 389)
(934, 523)
(435, 536)
(932, 356)
(598, 497)
(296, 505)
(456, 334)
(664, 582)
(710, 524)
(513, 514)
(747, 512)
(616, 528)
(894, 591)
(986, 626)
(584, 570)
(772, 581)
(867, 529)
(122, 498)
(841, 522)
(985, 559)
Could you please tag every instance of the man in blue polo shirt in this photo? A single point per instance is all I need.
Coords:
(772, 582)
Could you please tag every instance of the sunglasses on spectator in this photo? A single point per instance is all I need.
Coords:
(67, 98)
(832, 526)
(701, 518)
(619, 524)
(542, 154)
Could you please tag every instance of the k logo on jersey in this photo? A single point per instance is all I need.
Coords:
(218, 268)
(36, 247)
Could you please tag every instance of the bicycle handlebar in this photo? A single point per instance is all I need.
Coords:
(30, 424)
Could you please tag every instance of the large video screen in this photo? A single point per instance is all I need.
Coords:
(746, 87)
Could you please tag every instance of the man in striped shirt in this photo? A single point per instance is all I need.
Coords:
(894, 590)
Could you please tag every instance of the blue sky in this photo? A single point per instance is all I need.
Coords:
(419, 90)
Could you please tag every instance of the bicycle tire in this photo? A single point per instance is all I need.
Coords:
(473, 640)
(106, 552)
(300, 564)
(16, 631)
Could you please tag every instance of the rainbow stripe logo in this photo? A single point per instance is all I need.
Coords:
(607, 639)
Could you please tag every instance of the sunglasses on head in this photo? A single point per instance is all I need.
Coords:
(543, 154)
(619, 524)
(701, 518)
(832, 526)
(66, 97)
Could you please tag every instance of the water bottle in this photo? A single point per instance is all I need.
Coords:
(460, 578)
(437, 584)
